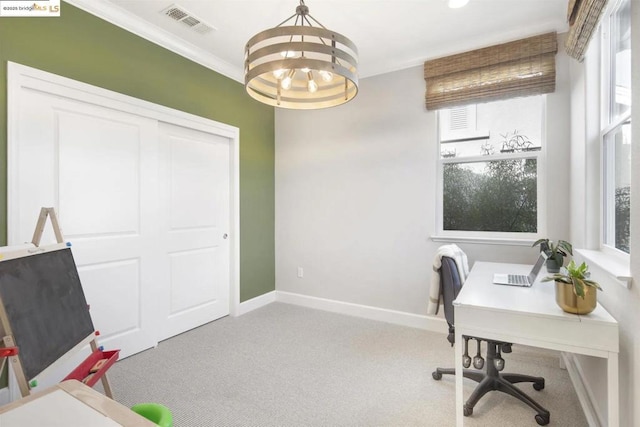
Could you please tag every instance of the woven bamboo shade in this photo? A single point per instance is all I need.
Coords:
(583, 17)
(519, 68)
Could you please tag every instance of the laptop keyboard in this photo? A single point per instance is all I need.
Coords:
(518, 279)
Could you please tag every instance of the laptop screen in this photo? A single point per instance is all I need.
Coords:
(537, 267)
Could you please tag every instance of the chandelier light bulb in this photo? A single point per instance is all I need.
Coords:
(278, 74)
(312, 86)
(287, 81)
(326, 76)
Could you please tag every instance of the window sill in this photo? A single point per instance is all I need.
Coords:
(616, 267)
(483, 240)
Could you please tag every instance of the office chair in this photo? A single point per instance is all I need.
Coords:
(492, 379)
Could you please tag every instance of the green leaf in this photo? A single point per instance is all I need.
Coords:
(582, 270)
(559, 258)
(578, 287)
(565, 246)
(592, 283)
(537, 242)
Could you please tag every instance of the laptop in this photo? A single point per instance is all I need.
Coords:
(521, 279)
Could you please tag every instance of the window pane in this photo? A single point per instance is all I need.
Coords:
(498, 195)
(617, 186)
(513, 125)
(621, 60)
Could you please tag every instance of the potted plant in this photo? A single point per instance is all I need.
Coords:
(575, 293)
(555, 252)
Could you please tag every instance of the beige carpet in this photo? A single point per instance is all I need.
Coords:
(284, 365)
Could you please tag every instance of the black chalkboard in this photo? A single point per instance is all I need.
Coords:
(45, 306)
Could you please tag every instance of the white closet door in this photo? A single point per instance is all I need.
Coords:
(142, 192)
(98, 168)
(195, 215)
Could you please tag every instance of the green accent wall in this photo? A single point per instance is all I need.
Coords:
(83, 47)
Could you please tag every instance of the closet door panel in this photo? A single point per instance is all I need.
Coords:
(90, 164)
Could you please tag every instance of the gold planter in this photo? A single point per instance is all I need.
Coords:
(571, 303)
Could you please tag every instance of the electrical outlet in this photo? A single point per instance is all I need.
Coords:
(300, 272)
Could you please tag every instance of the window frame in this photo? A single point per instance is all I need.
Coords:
(609, 124)
(494, 237)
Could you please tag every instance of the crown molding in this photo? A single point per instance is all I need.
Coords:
(129, 22)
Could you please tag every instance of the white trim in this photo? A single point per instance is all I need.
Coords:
(491, 157)
(609, 124)
(429, 323)
(234, 296)
(255, 303)
(482, 240)
(131, 23)
(492, 237)
(616, 267)
(584, 393)
(21, 76)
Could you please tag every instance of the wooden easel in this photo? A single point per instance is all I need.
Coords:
(42, 220)
(5, 329)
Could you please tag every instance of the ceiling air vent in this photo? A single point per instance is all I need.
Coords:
(178, 13)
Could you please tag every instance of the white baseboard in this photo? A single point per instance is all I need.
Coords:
(584, 393)
(430, 323)
(255, 303)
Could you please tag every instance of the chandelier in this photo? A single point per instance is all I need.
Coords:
(300, 66)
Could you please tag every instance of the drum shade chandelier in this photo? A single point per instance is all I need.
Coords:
(300, 66)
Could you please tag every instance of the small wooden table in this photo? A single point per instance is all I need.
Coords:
(69, 404)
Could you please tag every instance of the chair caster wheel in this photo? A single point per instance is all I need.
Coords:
(538, 386)
(542, 419)
(436, 375)
(478, 362)
(469, 411)
(466, 361)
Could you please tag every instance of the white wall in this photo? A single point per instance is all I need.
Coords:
(356, 194)
(622, 303)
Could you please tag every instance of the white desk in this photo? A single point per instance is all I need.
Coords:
(69, 404)
(530, 316)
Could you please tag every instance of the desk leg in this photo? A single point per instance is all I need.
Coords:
(458, 364)
(613, 387)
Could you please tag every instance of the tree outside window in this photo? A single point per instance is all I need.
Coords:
(490, 180)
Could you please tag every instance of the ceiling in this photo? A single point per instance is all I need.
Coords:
(390, 34)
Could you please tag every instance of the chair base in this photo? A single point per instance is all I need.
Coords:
(492, 380)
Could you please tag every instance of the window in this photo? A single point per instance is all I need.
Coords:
(616, 126)
(490, 173)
